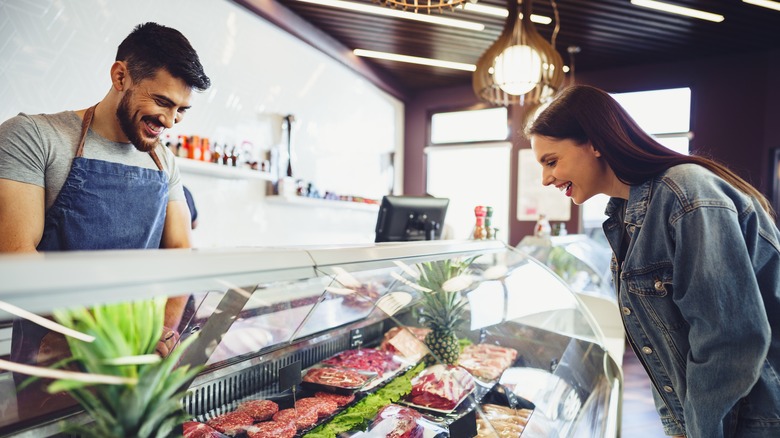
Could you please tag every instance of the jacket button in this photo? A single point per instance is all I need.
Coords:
(658, 285)
(626, 311)
(668, 388)
(647, 350)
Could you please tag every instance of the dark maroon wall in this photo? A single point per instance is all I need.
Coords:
(735, 116)
(417, 114)
(729, 99)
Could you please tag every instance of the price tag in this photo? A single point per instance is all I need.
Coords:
(290, 376)
(465, 426)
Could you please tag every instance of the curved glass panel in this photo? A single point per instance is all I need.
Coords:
(462, 337)
(580, 261)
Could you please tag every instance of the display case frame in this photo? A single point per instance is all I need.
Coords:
(112, 276)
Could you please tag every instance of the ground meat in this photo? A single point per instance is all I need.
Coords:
(324, 407)
(260, 410)
(340, 400)
(231, 423)
(272, 429)
(193, 429)
(303, 418)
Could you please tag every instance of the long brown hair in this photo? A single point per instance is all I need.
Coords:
(582, 113)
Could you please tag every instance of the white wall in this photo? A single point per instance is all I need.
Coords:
(55, 55)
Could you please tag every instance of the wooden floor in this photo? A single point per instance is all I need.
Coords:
(640, 418)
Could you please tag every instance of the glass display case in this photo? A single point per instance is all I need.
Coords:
(439, 338)
(578, 259)
(583, 263)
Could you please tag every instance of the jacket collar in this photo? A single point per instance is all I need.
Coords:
(635, 208)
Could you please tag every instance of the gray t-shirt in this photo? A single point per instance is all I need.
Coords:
(39, 149)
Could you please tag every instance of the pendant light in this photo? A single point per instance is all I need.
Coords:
(521, 67)
(426, 5)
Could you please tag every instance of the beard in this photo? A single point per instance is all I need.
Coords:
(130, 128)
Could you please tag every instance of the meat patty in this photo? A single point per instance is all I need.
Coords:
(231, 423)
(272, 429)
(302, 418)
(340, 400)
(324, 407)
(260, 410)
(193, 429)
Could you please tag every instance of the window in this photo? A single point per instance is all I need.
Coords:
(472, 169)
(470, 176)
(670, 126)
(469, 126)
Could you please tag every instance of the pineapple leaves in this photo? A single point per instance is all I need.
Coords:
(443, 311)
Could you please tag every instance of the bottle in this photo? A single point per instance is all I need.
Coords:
(542, 228)
(234, 156)
(216, 156)
(226, 155)
(560, 229)
(185, 147)
(205, 148)
(480, 233)
(490, 232)
(195, 151)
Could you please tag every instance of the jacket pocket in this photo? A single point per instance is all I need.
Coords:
(651, 288)
(651, 281)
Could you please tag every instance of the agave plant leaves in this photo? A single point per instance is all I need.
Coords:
(149, 408)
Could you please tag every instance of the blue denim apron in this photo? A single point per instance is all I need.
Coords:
(102, 205)
(105, 205)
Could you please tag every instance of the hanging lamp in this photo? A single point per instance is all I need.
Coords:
(521, 67)
(426, 5)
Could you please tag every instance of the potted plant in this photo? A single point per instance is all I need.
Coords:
(148, 402)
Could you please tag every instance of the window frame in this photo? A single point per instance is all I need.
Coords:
(454, 109)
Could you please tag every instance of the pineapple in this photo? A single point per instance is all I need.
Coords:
(442, 308)
(150, 404)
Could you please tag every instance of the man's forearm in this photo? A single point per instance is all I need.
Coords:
(174, 309)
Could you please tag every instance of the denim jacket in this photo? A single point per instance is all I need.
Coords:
(699, 292)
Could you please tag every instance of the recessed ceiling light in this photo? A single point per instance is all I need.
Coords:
(414, 60)
(680, 10)
(479, 8)
(764, 3)
(387, 12)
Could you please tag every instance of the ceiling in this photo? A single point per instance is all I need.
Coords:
(609, 33)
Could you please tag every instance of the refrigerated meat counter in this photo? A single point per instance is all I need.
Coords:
(583, 263)
(369, 327)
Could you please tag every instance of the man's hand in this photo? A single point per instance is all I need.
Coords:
(168, 340)
(174, 308)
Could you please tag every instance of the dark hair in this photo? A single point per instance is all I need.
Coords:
(151, 46)
(582, 113)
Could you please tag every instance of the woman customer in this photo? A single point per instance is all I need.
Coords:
(696, 264)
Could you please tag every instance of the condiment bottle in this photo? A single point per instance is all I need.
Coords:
(542, 228)
(490, 232)
(480, 233)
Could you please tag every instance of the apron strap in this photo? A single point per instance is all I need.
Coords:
(156, 159)
(87, 121)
